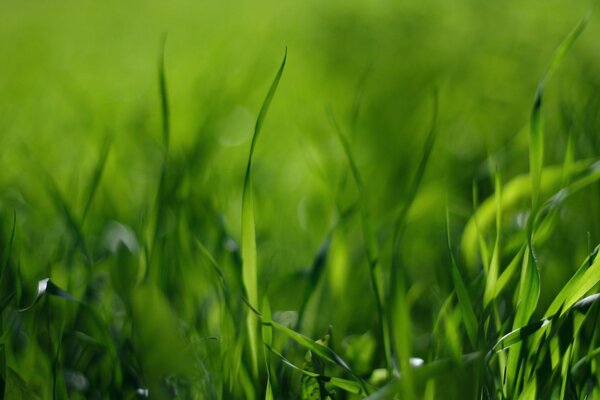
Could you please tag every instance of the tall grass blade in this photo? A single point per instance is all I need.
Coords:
(493, 271)
(372, 247)
(249, 266)
(464, 299)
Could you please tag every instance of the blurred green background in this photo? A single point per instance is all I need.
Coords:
(78, 75)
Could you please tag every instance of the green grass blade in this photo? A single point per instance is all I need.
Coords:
(509, 272)
(536, 155)
(8, 250)
(164, 97)
(267, 338)
(514, 193)
(493, 271)
(372, 247)
(94, 181)
(464, 299)
(572, 291)
(249, 263)
(317, 348)
(316, 271)
(344, 384)
(46, 286)
(529, 289)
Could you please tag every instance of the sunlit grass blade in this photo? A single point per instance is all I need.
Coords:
(529, 289)
(518, 335)
(249, 267)
(578, 285)
(509, 272)
(494, 268)
(514, 193)
(267, 338)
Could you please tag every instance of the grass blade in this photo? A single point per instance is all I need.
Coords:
(372, 247)
(462, 293)
(249, 264)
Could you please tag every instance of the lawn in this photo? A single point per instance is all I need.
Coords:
(299, 200)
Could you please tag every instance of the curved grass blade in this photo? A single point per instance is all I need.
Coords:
(317, 348)
(536, 133)
(514, 192)
(249, 267)
(423, 373)
(46, 286)
(344, 384)
(586, 277)
(517, 336)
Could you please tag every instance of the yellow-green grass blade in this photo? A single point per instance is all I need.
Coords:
(509, 272)
(493, 271)
(571, 289)
(249, 263)
(514, 193)
(267, 337)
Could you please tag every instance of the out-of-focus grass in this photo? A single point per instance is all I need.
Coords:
(122, 181)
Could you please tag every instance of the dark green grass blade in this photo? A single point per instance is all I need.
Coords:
(316, 347)
(249, 263)
(47, 287)
(7, 251)
(71, 222)
(464, 299)
(164, 97)
(536, 145)
(344, 384)
(316, 271)
(372, 247)
(94, 181)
